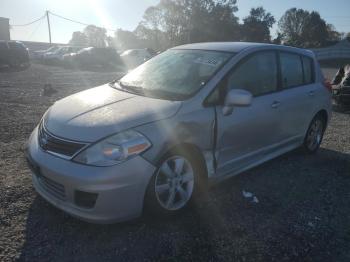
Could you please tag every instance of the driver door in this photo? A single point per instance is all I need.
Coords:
(246, 135)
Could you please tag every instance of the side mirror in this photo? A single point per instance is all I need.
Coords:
(236, 97)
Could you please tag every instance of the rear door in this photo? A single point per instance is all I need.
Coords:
(244, 136)
(296, 96)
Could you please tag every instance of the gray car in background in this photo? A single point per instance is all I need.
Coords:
(189, 117)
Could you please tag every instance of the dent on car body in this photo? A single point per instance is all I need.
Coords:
(196, 130)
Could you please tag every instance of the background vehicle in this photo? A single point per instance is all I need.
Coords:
(56, 57)
(94, 57)
(341, 87)
(135, 57)
(156, 138)
(13, 54)
(39, 55)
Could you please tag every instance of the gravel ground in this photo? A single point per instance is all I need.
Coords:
(303, 213)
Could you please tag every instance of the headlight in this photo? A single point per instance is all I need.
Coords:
(114, 149)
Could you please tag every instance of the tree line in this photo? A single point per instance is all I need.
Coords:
(176, 22)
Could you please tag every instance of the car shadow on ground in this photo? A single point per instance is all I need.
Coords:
(299, 216)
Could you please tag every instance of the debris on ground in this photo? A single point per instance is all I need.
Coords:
(292, 190)
(255, 199)
(247, 194)
(48, 90)
(251, 196)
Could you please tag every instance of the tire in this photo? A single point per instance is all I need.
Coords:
(176, 184)
(314, 134)
(15, 63)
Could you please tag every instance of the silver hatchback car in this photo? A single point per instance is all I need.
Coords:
(189, 117)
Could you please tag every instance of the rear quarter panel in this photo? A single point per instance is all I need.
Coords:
(323, 96)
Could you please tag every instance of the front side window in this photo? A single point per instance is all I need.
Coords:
(175, 74)
(291, 70)
(58, 51)
(52, 49)
(257, 74)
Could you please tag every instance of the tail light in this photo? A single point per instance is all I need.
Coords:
(327, 84)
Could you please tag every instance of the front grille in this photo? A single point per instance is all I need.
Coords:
(56, 145)
(52, 187)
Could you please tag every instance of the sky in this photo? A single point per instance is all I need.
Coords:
(126, 14)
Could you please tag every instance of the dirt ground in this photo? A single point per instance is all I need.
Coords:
(303, 213)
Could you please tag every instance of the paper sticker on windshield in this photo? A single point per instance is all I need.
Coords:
(209, 62)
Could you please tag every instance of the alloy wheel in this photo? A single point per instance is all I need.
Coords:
(314, 136)
(15, 62)
(174, 183)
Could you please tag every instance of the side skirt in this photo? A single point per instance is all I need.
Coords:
(264, 155)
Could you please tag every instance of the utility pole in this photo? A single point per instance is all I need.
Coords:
(48, 25)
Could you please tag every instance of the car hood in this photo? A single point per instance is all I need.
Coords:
(101, 111)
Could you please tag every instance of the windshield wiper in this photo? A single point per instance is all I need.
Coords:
(155, 93)
(128, 88)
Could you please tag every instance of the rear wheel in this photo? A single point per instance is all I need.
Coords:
(314, 134)
(15, 62)
(174, 185)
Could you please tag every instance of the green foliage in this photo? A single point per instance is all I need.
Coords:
(152, 38)
(333, 34)
(91, 36)
(78, 39)
(305, 29)
(175, 22)
(256, 27)
(96, 36)
(126, 40)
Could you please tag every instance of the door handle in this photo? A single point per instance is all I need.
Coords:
(275, 104)
(311, 93)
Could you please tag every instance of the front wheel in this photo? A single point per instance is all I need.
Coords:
(174, 184)
(314, 134)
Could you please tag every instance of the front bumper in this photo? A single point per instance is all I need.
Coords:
(341, 95)
(119, 189)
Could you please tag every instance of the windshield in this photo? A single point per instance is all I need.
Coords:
(175, 74)
(52, 48)
(62, 50)
(87, 49)
(59, 50)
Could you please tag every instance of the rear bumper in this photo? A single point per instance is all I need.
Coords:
(119, 189)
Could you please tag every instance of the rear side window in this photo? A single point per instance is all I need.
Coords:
(308, 70)
(291, 70)
(257, 74)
